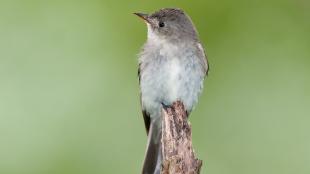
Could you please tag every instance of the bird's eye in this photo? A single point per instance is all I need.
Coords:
(161, 24)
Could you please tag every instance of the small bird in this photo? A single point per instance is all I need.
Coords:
(172, 67)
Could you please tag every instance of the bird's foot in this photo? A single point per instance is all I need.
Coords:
(165, 106)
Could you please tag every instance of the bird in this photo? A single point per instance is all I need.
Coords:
(172, 67)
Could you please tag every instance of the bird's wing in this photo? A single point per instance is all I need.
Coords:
(204, 59)
(147, 121)
(146, 116)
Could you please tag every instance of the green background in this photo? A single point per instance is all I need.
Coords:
(69, 94)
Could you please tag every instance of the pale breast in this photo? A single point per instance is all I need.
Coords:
(171, 75)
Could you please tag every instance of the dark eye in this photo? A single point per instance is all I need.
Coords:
(161, 24)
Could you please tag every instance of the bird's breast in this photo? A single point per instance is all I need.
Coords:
(170, 75)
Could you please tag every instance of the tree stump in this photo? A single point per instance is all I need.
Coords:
(177, 151)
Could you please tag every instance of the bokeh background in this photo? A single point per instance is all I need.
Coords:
(69, 94)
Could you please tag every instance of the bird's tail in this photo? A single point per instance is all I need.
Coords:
(153, 155)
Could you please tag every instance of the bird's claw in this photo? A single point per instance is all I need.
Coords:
(165, 106)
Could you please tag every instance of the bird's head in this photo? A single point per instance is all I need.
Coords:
(169, 24)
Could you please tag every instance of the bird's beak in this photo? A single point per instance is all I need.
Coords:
(143, 16)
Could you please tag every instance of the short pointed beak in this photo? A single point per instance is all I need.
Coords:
(143, 16)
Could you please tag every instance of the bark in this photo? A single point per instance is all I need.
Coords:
(177, 151)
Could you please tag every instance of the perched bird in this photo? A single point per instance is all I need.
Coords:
(172, 67)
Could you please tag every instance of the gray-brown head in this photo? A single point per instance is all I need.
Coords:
(169, 24)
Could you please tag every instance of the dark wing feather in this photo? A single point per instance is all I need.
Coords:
(146, 116)
(147, 121)
(139, 72)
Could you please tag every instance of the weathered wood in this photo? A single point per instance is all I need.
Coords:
(177, 151)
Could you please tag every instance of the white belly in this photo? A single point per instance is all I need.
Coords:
(167, 80)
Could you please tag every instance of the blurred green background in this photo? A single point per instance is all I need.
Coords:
(69, 95)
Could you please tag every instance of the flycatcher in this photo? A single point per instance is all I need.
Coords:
(172, 67)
